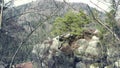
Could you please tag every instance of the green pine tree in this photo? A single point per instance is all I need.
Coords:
(72, 22)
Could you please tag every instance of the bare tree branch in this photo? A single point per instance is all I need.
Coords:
(68, 4)
(106, 27)
(23, 42)
(28, 36)
(98, 6)
(1, 14)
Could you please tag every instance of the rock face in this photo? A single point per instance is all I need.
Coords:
(50, 55)
(19, 22)
(82, 53)
(90, 49)
(94, 47)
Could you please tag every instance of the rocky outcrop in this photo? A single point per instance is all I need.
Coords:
(53, 53)
(50, 55)
(19, 22)
(81, 53)
(91, 49)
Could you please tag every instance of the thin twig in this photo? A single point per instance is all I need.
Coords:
(24, 41)
(98, 6)
(2, 5)
(106, 27)
(69, 5)
(28, 36)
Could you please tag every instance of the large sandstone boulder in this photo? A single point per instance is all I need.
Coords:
(83, 44)
(95, 65)
(81, 53)
(94, 48)
(50, 56)
(117, 63)
(89, 49)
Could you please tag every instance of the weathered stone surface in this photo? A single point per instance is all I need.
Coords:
(81, 65)
(95, 65)
(94, 48)
(51, 56)
(117, 63)
(83, 53)
(109, 66)
(89, 50)
(83, 44)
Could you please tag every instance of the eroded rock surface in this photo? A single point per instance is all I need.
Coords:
(81, 53)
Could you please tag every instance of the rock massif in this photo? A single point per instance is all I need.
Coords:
(82, 53)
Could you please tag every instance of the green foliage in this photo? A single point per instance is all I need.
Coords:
(102, 31)
(72, 23)
(110, 19)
